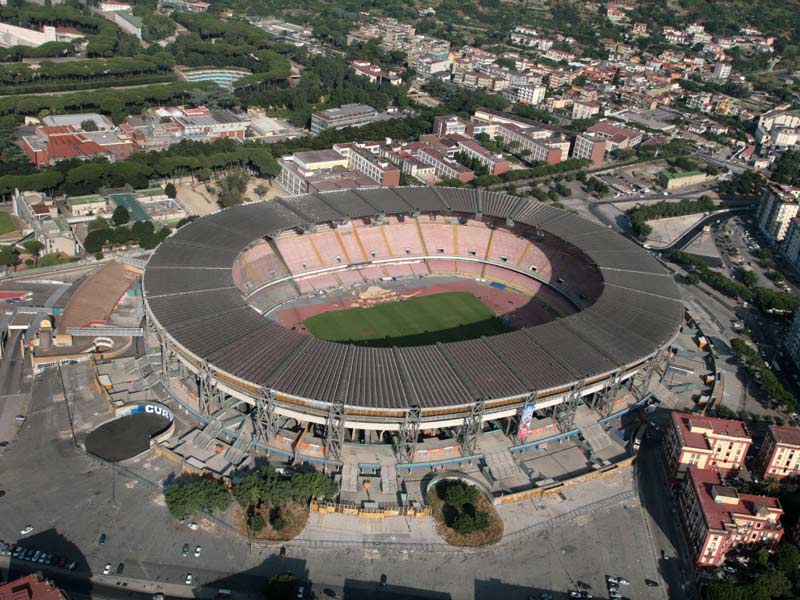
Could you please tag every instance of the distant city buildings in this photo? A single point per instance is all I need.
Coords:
(375, 74)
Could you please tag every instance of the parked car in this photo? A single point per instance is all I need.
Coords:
(193, 526)
(650, 583)
(185, 550)
(197, 551)
(188, 579)
(623, 581)
(120, 568)
(107, 569)
(26, 530)
(102, 539)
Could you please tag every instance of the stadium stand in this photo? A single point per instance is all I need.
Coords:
(631, 310)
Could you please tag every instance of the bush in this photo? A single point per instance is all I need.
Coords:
(197, 494)
(458, 494)
(256, 523)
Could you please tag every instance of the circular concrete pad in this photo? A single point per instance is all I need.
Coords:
(125, 437)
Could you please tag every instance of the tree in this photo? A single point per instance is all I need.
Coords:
(261, 190)
(34, 248)
(89, 125)
(157, 27)
(257, 522)
(749, 278)
(197, 494)
(281, 586)
(9, 256)
(121, 216)
(170, 190)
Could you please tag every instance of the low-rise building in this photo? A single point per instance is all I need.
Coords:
(347, 115)
(444, 166)
(585, 109)
(375, 73)
(706, 443)
(790, 246)
(792, 340)
(716, 519)
(674, 181)
(30, 587)
(779, 456)
(776, 209)
(49, 145)
(449, 124)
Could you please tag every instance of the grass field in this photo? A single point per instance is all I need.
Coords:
(446, 317)
(6, 224)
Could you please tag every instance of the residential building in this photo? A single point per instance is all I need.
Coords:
(447, 125)
(494, 163)
(779, 456)
(375, 73)
(716, 519)
(444, 167)
(30, 587)
(362, 160)
(778, 206)
(704, 442)
(790, 247)
(616, 137)
(347, 115)
(426, 67)
(41, 213)
(345, 166)
(585, 109)
(722, 70)
(590, 146)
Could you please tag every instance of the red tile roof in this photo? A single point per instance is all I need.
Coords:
(716, 515)
(785, 435)
(30, 587)
(694, 439)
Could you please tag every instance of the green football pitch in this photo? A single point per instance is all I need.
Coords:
(446, 317)
(6, 223)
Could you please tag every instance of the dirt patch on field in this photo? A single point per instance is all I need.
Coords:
(294, 514)
(518, 309)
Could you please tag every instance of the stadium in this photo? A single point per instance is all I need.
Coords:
(399, 311)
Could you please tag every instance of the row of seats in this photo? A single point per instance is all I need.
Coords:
(361, 242)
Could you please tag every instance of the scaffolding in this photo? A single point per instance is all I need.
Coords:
(603, 401)
(471, 429)
(265, 419)
(334, 431)
(408, 435)
(564, 412)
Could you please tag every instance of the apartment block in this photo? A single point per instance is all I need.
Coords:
(778, 206)
(716, 519)
(779, 456)
(590, 146)
(705, 443)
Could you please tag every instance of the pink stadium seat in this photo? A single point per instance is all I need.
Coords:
(420, 269)
(399, 270)
(439, 237)
(404, 238)
(351, 244)
(373, 242)
(350, 277)
(305, 286)
(469, 268)
(328, 247)
(473, 239)
(506, 247)
(442, 266)
(299, 254)
(324, 282)
(373, 273)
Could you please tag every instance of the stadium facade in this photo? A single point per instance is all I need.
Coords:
(210, 287)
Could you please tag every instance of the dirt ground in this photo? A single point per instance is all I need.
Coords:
(196, 199)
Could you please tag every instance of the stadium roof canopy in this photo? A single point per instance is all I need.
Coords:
(190, 293)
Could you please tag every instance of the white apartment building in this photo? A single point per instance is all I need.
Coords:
(779, 205)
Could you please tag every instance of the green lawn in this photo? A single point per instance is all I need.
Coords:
(446, 317)
(6, 224)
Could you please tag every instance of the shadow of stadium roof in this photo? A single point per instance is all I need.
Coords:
(189, 288)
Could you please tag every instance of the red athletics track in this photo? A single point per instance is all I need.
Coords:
(521, 310)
